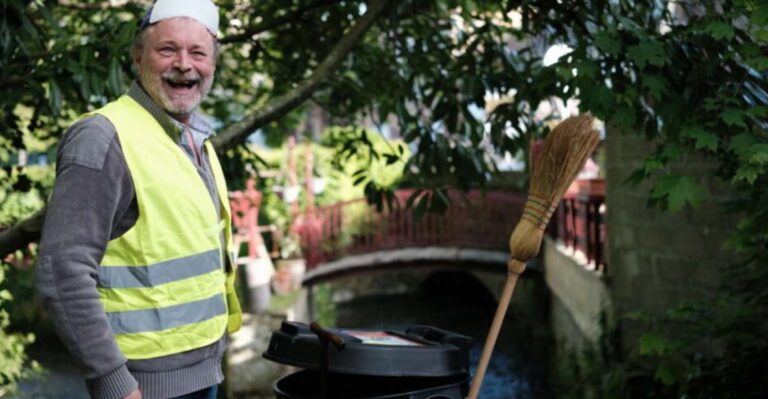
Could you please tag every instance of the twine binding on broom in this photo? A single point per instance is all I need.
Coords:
(537, 212)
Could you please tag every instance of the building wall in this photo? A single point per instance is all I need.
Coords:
(658, 259)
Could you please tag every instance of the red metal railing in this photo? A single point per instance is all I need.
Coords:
(579, 222)
(472, 220)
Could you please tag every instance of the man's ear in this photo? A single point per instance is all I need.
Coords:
(136, 54)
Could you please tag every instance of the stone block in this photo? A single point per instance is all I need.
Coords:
(634, 147)
(655, 296)
(675, 270)
(625, 264)
(708, 275)
(627, 272)
(699, 243)
(622, 236)
(632, 207)
(653, 241)
(713, 214)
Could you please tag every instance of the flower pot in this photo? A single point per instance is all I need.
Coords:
(289, 274)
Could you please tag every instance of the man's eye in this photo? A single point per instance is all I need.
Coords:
(167, 50)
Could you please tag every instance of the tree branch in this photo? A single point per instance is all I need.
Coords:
(102, 5)
(271, 24)
(20, 235)
(12, 81)
(283, 104)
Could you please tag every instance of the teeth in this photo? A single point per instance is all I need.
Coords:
(184, 83)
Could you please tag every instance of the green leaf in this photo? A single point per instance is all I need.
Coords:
(631, 26)
(748, 173)
(54, 96)
(760, 14)
(624, 117)
(656, 85)
(758, 112)
(733, 117)
(607, 42)
(761, 35)
(115, 81)
(28, 26)
(720, 30)
(598, 99)
(651, 165)
(653, 344)
(758, 63)
(664, 374)
(741, 144)
(391, 159)
(360, 180)
(678, 191)
(648, 52)
(565, 73)
(637, 177)
(703, 139)
(758, 154)
(639, 315)
(587, 69)
(671, 152)
(711, 104)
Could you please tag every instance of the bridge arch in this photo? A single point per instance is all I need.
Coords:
(451, 257)
(352, 236)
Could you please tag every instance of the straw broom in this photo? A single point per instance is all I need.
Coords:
(563, 154)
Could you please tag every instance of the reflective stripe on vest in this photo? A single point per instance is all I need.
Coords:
(160, 273)
(137, 321)
(162, 283)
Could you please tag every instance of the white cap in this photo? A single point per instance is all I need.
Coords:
(203, 11)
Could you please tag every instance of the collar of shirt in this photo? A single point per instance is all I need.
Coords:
(198, 123)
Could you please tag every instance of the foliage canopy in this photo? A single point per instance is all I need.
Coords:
(462, 78)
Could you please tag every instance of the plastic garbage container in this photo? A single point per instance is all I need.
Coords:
(421, 362)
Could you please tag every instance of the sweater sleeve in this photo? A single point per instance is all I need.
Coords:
(92, 193)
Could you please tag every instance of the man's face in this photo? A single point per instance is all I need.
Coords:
(176, 65)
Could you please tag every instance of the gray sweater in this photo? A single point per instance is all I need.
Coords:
(93, 202)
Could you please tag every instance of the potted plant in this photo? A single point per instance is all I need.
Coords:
(290, 267)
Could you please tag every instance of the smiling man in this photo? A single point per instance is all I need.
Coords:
(134, 261)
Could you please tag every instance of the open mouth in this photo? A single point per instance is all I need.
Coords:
(181, 84)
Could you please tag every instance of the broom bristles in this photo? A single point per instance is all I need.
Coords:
(563, 154)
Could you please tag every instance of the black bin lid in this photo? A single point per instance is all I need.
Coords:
(419, 351)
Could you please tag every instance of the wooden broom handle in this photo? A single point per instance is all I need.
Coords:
(515, 268)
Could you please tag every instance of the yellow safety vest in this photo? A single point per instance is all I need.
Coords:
(163, 283)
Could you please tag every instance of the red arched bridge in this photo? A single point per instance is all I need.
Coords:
(475, 228)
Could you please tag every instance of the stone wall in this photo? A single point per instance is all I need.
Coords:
(658, 259)
(580, 299)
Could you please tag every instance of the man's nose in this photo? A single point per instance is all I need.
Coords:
(182, 62)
